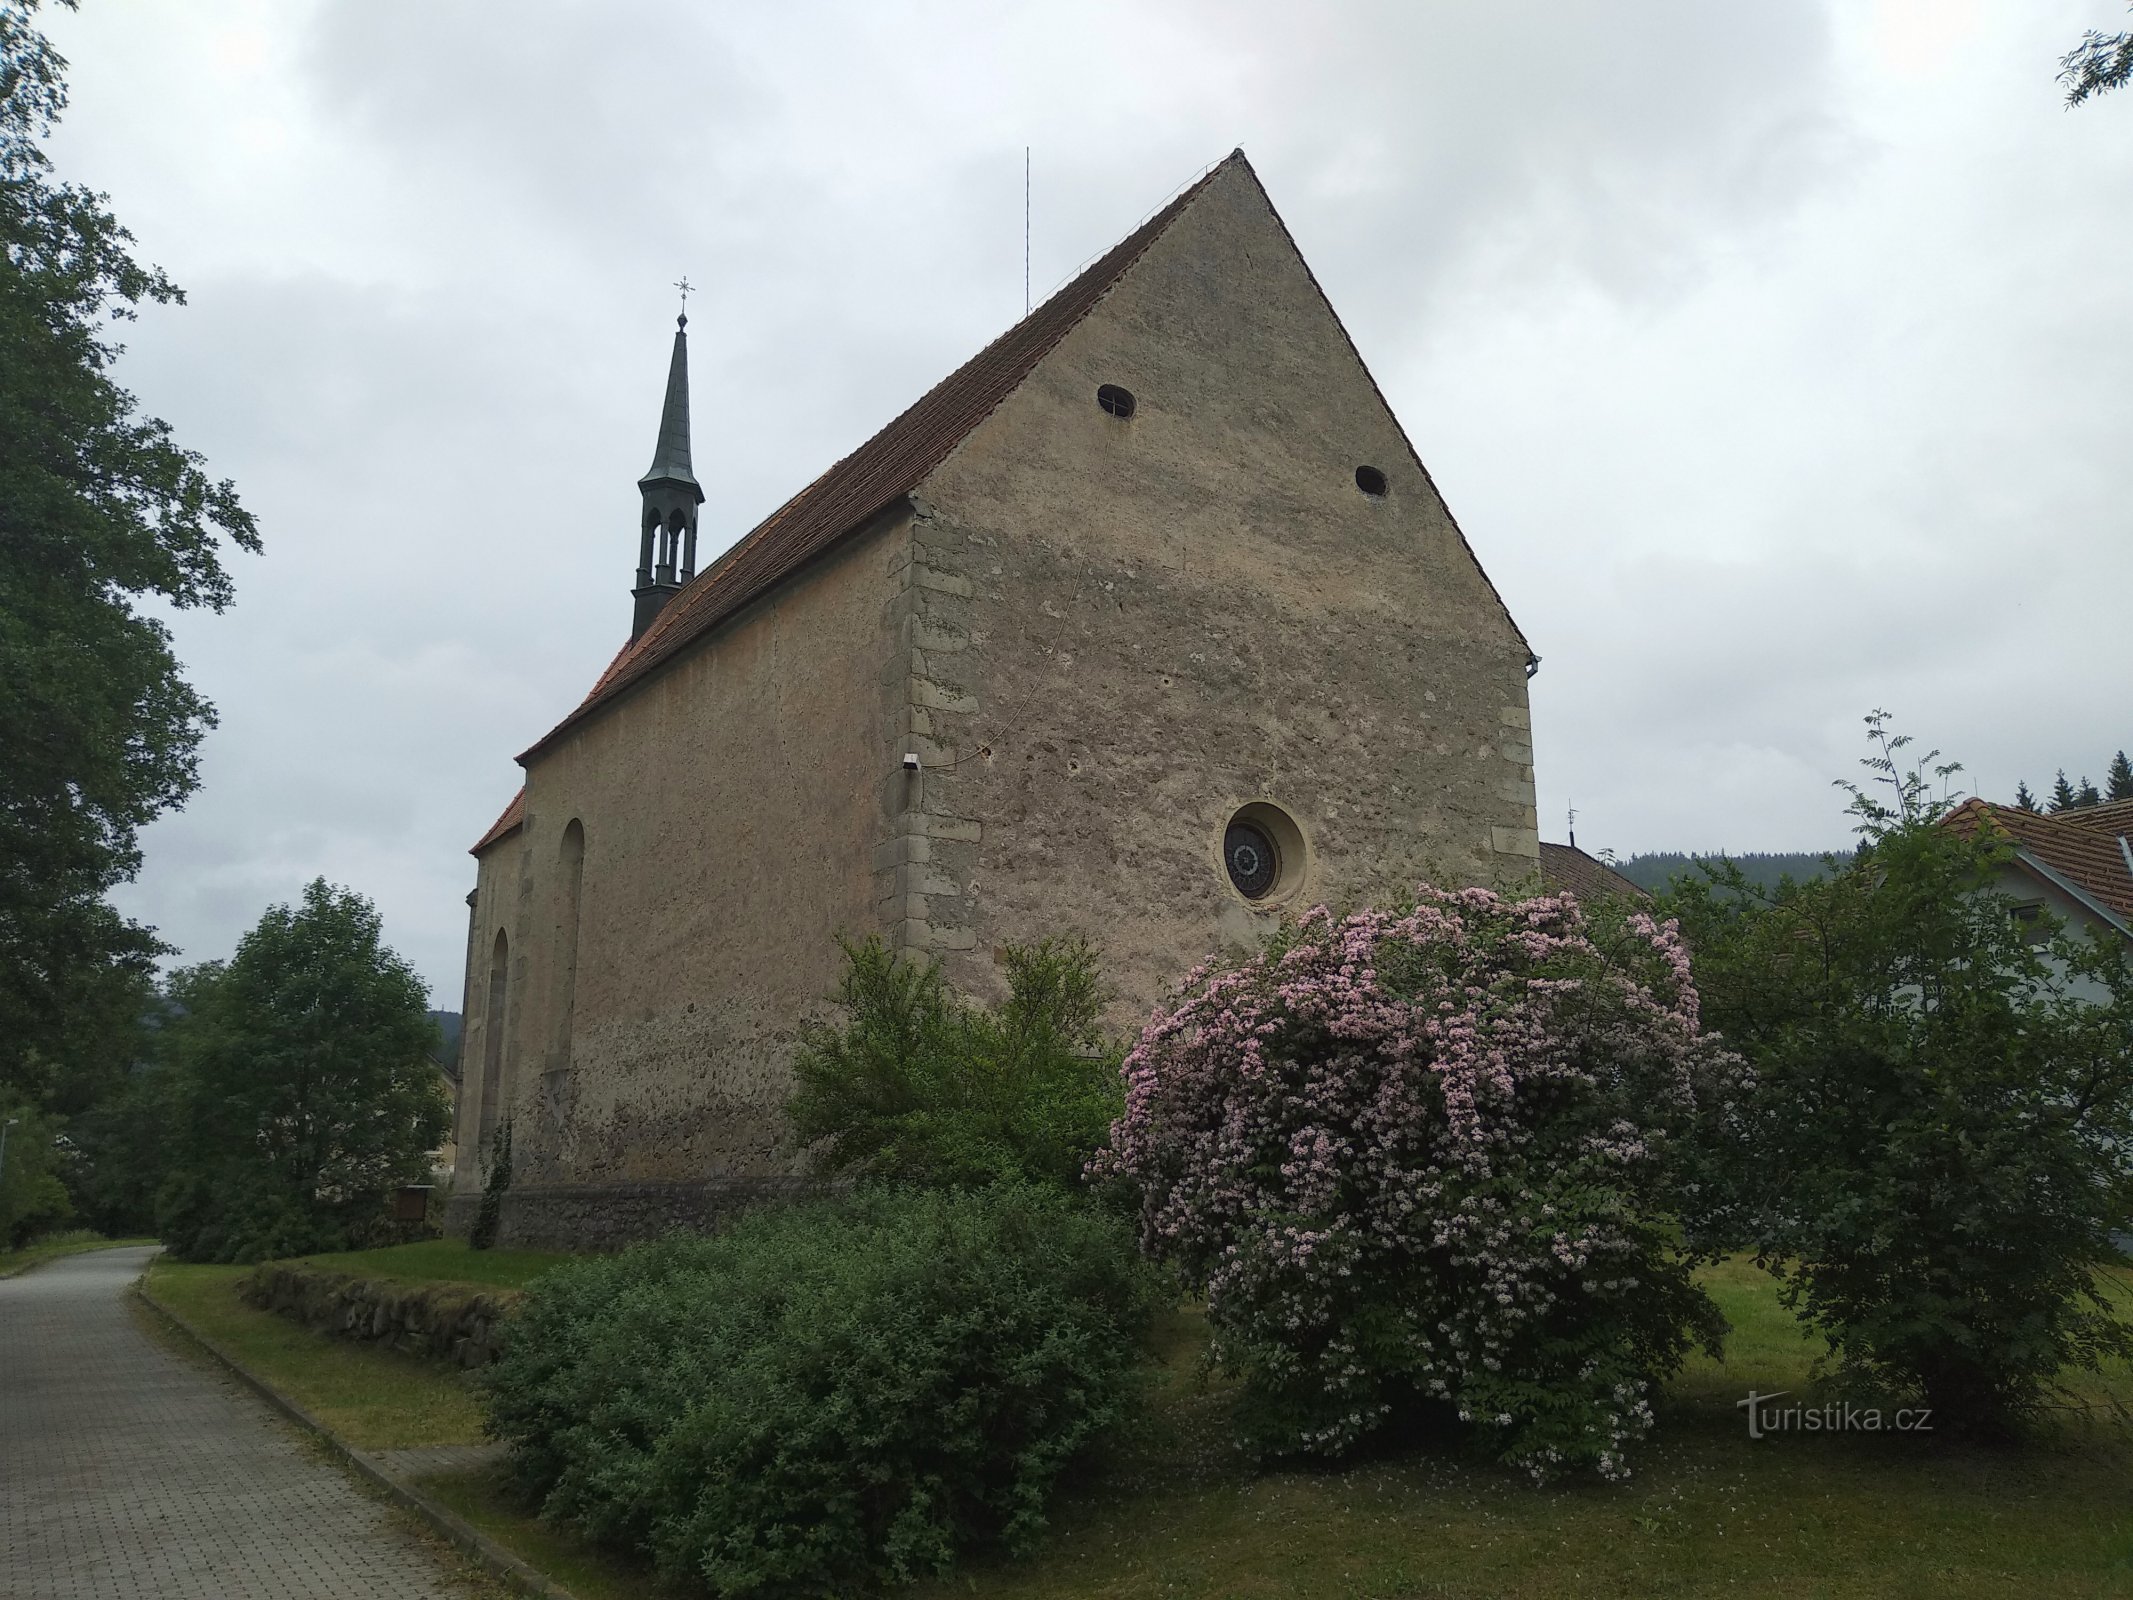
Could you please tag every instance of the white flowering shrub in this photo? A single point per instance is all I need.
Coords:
(1426, 1162)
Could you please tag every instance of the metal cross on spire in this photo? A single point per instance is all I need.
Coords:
(684, 285)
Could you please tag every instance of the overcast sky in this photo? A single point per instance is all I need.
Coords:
(1772, 356)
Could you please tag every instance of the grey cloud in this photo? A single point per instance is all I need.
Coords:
(1769, 383)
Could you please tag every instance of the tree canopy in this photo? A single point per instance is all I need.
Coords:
(2100, 63)
(100, 508)
(1931, 1155)
(303, 1084)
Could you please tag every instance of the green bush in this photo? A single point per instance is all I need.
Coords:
(1932, 1156)
(830, 1394)
(920, 1085)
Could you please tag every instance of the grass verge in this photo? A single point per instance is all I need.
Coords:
(372, 1398)
(442, 1261)
(1181, 1514)
(54, 1245)
(485, 1501)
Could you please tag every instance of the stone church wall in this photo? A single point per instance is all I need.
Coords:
(1130, 628)
(1100, 636)
(730, 811)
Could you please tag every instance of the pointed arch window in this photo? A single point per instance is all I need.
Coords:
(494, 1014)
(569, 909)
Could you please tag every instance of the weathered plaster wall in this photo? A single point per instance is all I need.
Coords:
(731, 808)
(501, 888)
(1100, 637)
(1122, 630)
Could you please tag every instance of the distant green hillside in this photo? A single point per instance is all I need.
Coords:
(1654, 869)
(448, 1026)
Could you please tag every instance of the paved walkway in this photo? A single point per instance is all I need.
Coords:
(128, 1472)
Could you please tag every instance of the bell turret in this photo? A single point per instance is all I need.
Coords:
(666, 548)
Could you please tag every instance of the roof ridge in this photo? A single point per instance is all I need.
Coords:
(887, 466)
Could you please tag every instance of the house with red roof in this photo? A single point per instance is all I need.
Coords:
(2074, 866)
(1145, 624)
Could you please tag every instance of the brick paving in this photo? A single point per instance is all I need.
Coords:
(128, 1472)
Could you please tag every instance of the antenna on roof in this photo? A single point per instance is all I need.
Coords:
(1025, 230)
(1573, 825)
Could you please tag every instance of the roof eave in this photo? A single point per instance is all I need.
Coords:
(2067, 886)
(658, 669)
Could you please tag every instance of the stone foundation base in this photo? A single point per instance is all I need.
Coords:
(607, 1216)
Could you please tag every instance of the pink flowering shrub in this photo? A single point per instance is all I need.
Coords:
(1424, 1162)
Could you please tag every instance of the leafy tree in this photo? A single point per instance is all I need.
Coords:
(2063, 796)
(920, 1085)
(2024, 799)
(2118, 778)
(122, 1144)
(99, 507)
(33, 1199)
(2100, 63)
(304, 1085)
(1932, 1158)
(1422, 1164)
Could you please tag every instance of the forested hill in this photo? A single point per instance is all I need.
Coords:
(1653, 869)
(448, 1025)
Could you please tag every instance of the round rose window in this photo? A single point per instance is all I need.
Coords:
(1248, 851)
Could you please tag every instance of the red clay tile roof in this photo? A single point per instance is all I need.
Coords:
(2113, 816)
(884, 469)
(1589, 878)
(2087, 857)
(513, 819)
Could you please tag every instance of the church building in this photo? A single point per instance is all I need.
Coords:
(1146, 623)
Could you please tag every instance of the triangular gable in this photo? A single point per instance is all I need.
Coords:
(876, 475)
(1239, 169)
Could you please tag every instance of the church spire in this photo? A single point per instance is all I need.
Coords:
(671, 495)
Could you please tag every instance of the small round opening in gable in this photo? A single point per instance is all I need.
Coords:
(1371, 482)
(1118, 402)
(1262, 852)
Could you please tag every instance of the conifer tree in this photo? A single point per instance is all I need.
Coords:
(2087, 794)
(2023, 798)
(2062, 793)
(2118, 778)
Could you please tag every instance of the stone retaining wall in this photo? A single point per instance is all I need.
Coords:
(444, 1321)
(602, 1217)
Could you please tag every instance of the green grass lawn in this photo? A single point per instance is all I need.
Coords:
(443, 1261)
(1708, 1510)
(1181, 1514)
(54, 1245)
(374, 1398)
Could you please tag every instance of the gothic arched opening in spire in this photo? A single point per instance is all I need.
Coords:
(671, 495)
